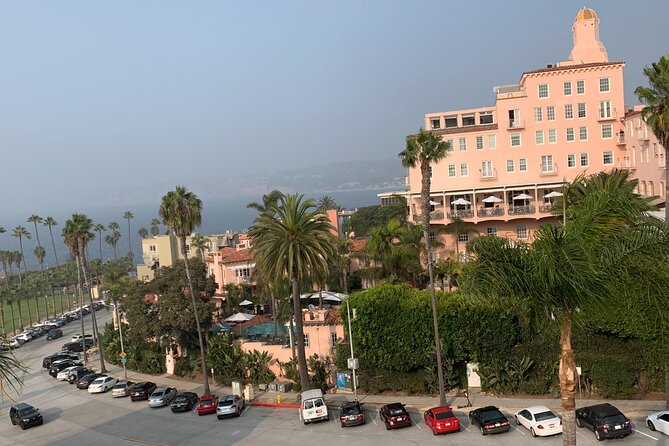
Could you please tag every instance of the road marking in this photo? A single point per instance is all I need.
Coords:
(521, 432)
(235, 432)
(642, 433)
(132, 440)
(244, 410)
(418, 426)
(375, 423)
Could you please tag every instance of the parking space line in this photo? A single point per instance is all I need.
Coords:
(643, 433)
(374, 421)
(244, 411)
(521, 432)
(418, 426)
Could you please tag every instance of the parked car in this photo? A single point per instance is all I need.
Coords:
(207, 404)
(102, 384)
(54, 333)
(63, 374)
(77, 338)
(77, 347)
(4, 346)
(47, 327)
(14, 343)
(441, 420)
(86, 380)
(142, 391)
(162, 397)
(351, 414)
(48, 360)
(122, 389)
(605, 420)
(74, 376)
(72, 316)
(25, 415)
(313, 406)
(24, 337)
(539, 420)
(395, 416)
(489, 420)
(36, 331)
(658, 421)
(184, 401)
(59, 365)
(230, 405)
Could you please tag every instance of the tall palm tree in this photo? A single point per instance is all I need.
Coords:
(571, 265)
(326, 203)
(50, 222)
(71, 240)
(17, 257)
(267, 201)
(155, 227)
(20, 233)
(423, 150)
(4, 273)
(143, 233)
(656, 115)
(129, 216)
(99, 228)
(181, 211)
(292, 239)
(34, 219)
(200, 243)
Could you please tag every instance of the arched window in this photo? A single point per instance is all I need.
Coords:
(651, 188)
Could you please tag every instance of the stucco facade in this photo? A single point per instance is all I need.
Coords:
(231, 266)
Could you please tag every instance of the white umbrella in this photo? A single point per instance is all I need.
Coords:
(492, 199)
(435, 203)
(522, 197)
(460, 201)
(239, 317)
(245, 302)
(326, 295)
(553, 195)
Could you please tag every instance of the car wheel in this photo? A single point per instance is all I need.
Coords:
(483, 432)
(434, 432)
(651, 426)
(41, 422)
(598, 436)
(23, 426)
(578, 422)
(534, 434)
(219, 417)
(387, 426)
(13, 421)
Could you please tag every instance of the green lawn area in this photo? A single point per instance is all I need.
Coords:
(30, 303)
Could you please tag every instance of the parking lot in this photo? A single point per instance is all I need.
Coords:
(75, 417)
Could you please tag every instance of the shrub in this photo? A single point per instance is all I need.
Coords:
(611, 379)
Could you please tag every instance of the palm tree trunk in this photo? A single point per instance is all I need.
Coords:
(299, 335)
(18, 304)
(81, 308)
(205, 375)
(53, 245)
(291, 327)
(11, 309)
(425, 220)
(96, 333)
(567, 382)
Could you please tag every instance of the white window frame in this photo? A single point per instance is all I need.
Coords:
(306, 340)
(463, 237)
(580, 87)
(449, 146)
(547, 165)
(538, 114)
(491, 230)
(452, 171)
(514, 136)
(552, 136)
(539, 137)
(605, 110)
(586, 157)
(608, 84)
(492, 141)
(522, 165)
(568, 111)
(464, 169)
(487, 170)
(570, 131)
(550, 113)
(510, 166)
(521, 232)
(544, 95)
(571, 160)
(479, 142)
(333, 339)
(583, 133)
(580, 107)
(609, 131)
(462, 144)
(566, 88)
(604, 156)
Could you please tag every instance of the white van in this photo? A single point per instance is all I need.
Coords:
(313, 406)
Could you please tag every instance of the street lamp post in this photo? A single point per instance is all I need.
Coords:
(120, 333)
(352, 361)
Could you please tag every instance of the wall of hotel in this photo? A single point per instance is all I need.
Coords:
(645, 156)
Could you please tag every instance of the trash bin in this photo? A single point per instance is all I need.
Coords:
(274, 386)
(248, 392)
(237, 388)
(285, 387)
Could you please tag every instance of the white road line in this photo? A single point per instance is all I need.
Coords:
(244, 410)
(521, 432)
(642, 433)
(375, 423)
(418, 426)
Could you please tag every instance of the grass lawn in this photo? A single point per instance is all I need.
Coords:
(30, 303)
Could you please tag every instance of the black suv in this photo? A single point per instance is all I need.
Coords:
(62, 365)
(46, 362)
(142, 391)
(25, 415)
(77, 346)
(605, 420)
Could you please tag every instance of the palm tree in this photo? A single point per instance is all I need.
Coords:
(423, 150)
(50, 222)
(267, 201)
(155, 229)
(656, 115)
(292, 239)
(4, 273)
(200, 243)
(326, 203)
(143, 233)
(129, 216)
(71, 240)
(17, 258)
(34, 219)
(99, 228)
(181, 211)
(20, 232)
(570, 265)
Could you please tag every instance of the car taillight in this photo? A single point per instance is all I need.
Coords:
(604, 426)
(489, 426)
(504, 423)
(540, 427)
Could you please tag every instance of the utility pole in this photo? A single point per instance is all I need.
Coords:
(120, 333)
(352, 362)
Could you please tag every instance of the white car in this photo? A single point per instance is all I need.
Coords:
(24, 337)
(102, 384)
(658, 421)
(63, 374)
(539, 420)
(77, 338)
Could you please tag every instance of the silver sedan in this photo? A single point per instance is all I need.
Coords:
(162, 396)
(230, 405)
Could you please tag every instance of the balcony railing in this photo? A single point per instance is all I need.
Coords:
(436, 215)
(490, 212)
(546, 172)
(516, 124)
(521, 210)
(546, 208)
(467, 213)
(607, 115)
(621, 139)
(488, 174)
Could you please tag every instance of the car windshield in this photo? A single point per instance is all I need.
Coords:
(615, 419)
(99, 381)
(542, 416)
(226, 402)
(158, 393)
(491, 415)
(350, 410)
(206, 402)
(443, 415)
(120, 386)
(180, 399)
(24, 412)
(395, 411)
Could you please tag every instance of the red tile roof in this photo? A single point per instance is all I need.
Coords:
(357, 245)
(471, 128)
(572, 67)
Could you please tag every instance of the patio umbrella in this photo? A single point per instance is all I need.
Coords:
(492, 199)
(553, 195)
(245, 303)
(435, 203)
(522, 197)
(240, 317)
(460, 201)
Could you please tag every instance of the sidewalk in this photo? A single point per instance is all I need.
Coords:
(290, 400)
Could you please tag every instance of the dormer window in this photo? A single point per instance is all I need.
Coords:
(468, 120)
(485, 118)
(435, 123)
(451, 121)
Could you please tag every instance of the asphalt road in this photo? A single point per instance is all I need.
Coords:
(74, 417)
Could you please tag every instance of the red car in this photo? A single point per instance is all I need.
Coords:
(207, 404)
(441, 420)
(395, 416)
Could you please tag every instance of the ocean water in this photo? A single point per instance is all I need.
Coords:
(217, 216)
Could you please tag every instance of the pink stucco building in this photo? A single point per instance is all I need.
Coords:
(507, 162)
(231, 266)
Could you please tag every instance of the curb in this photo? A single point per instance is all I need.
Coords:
(276, 406)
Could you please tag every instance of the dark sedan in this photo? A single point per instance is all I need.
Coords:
(351, 414)
(142, 391)
(184, 401)
(86, 380)
(605, 420)
(489, 420)
(395, 416)
(62, 364)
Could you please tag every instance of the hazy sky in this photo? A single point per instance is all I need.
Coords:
(112, 101)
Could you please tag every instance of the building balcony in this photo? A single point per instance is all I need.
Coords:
(549, 170)
(643, 135)
(434, 216)
(466, 213)
(488, 175)
(516, 124)
(620, 140)
(612, 115)
(626, 166)
(490, 212)
(522, 210)
(546, 208)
